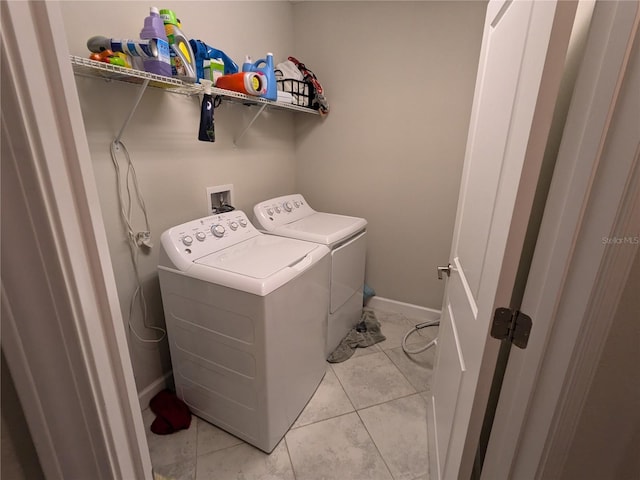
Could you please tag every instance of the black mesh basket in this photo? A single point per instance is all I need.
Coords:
(303, 92)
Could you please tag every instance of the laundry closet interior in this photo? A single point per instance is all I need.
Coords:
(399, 79)
(81, 362)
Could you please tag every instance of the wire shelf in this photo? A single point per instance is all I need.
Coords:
(92, 68)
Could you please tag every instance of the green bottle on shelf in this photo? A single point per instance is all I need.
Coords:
(183, 62)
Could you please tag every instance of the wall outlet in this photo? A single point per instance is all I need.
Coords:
(219, 198)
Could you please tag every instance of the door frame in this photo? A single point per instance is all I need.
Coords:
(67, 168)
(574, 282)
(63, 335)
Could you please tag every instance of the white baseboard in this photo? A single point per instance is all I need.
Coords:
(414, 312)
(145, 396)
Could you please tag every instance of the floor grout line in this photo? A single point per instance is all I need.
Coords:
(323, 420)
(375, 445)
(286, 444)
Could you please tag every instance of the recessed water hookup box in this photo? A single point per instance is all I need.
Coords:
(219, 198)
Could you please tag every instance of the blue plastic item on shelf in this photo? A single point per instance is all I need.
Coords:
(203, 52)
(267, 71)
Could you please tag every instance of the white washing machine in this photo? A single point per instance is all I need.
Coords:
(246, 322)
(291, 216)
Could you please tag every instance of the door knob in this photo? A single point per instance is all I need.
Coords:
(442, 270)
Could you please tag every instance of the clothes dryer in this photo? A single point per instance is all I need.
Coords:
(292, 217)
(246, 321)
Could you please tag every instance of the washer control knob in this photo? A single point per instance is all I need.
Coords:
(187, 240)
(270, 211)
(287, 206)
(233, 226)
(243, 222)
(297, 204)
(201, 236)
(278, 210)
(218, 231)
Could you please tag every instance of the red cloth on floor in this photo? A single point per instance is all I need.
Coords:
(172, 414)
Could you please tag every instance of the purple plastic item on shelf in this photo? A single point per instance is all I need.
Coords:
(154, 29)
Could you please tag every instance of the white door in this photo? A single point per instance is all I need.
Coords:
(523, 49)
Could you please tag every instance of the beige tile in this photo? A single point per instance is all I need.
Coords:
(177, 471)
(399, 430)
(372, 379)
(417, 368)
(175, 448)
(245, 462)
(338, 448)
(212, 438)
(328, 401)
(394, 327)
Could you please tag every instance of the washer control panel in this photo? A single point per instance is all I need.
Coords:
(281, 211)
(206, 235)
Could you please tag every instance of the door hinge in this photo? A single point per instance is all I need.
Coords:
(512, 325)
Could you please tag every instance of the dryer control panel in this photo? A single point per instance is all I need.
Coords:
(281, 211)
(206, 235)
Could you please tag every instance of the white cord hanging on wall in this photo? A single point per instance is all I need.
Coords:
(137, 241)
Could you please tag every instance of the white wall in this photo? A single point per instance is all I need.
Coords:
(174, 168)
(399, 77)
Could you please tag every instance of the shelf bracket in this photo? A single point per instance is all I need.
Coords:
(143, 87)
(262, 107)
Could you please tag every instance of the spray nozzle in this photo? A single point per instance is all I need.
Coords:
(206, 85)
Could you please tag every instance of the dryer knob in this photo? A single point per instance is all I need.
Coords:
(218, 231)
(187, 240)
(287, 206)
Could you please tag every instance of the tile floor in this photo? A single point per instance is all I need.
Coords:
(366, 421)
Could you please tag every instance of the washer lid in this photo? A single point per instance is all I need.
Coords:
(324, 228)
(259, 257)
